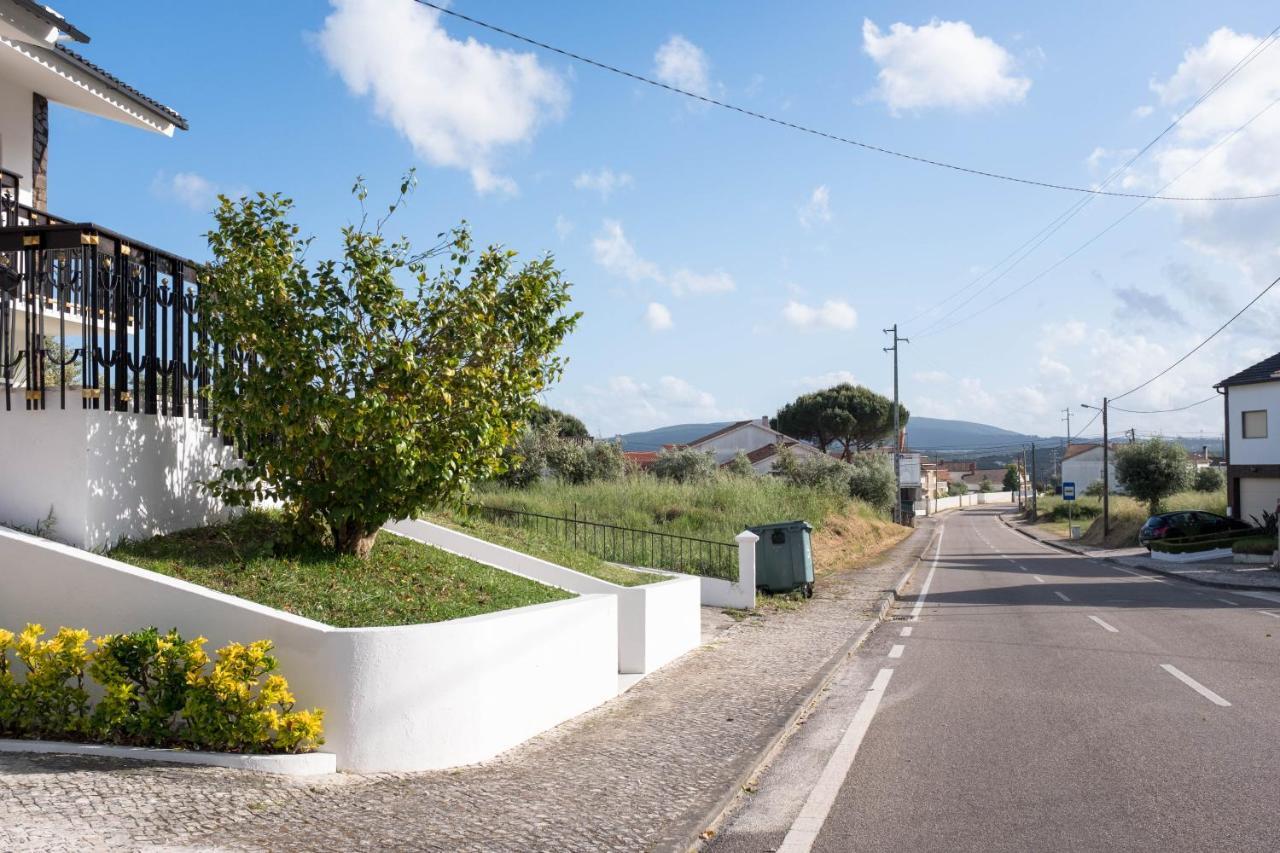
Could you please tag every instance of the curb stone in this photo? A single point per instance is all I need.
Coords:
(691, 836)
(1244, 587)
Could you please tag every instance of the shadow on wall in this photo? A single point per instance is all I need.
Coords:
(108, 475)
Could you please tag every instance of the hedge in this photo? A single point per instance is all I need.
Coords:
(1264, 545)
(157, 690)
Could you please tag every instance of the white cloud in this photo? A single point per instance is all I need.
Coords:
(941, 64)
(826, 380)
(626, 404)
(603, 181)
(615, 252)
(194, 191)
(681, 63)
(457, 102)
(931, 376)
(1143, 111)
(832, 314)
(657, 317)
(564, 227)
(817, 208)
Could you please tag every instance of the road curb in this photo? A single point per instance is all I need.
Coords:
(1243, 587)
(691, 834)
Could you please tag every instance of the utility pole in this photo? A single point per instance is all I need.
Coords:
(1133, 434)
(1066, 443)
(897, 428)
(1106, 479)
(1035, 498)
(1022, 480)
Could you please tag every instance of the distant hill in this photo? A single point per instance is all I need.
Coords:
(656, 439)
(946, 435)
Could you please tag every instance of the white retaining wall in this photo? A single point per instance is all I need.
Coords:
(106, 475)
(419, 697)
(657, 622)
(971, 499)
(739, 594)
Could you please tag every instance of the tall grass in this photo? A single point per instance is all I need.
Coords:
(1127, 514)
(717, 510)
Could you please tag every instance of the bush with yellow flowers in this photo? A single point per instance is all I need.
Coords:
(156, 690)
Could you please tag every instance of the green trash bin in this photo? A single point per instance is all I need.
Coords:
(784, 557)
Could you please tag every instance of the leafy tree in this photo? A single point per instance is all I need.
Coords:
(956, 489)
(1152, 470)
(872, 480)
(355, 401)
(684, 465)
(1012, 482)
(811, 471)
(856, 417)
(739, 466)
(1094, 489)
(985, 485)
(1208, 480)
(557, 422)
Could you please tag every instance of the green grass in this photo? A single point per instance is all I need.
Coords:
(402, 582)
(1263, 545)
(718, 510)
(547, 548)
(1127, 514)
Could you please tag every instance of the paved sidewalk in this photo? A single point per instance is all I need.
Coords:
(643, 772)
(1228, 575)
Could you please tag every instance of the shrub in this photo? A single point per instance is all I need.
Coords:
(956, 489)
(1208, 480)
(155, 692)
(684, 465)
(1012, 481)
(739, 466)
(1153, 470)
(813, 472)
(985, 485)
(1261, 545)
(872, 480)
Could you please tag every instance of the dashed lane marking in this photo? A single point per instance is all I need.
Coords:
(1038, 578)
(897, 650)
(1060, 595)
(1110, 628)
(1228, 601)
(906, 632)
(1195, 685)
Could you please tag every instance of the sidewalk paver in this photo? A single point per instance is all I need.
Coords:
(639, 773)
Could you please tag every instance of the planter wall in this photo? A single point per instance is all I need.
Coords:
(107, 475)
(396, 699)
(657, 622)
(1192, 556)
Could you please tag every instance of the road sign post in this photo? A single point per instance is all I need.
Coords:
(1069, 495)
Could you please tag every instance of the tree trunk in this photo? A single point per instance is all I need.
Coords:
(352, 538)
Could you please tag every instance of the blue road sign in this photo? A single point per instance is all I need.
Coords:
(1068, 491)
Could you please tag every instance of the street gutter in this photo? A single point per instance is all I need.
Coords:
(692, 834)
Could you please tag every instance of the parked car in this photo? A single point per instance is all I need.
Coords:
(1175, 525)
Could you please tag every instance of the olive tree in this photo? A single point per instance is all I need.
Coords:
(1012, 482)
(1153, 470)
(370, 387)
(1208, 480)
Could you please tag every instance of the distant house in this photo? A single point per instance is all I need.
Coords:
(756, 439)
(1250, 398)
(1082, 465)
(642, 459)
(955, 471)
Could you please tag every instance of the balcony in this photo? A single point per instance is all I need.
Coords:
(93, 319)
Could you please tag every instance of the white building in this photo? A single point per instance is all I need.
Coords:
(756, 439)
(1082, 465)
(1251, 403)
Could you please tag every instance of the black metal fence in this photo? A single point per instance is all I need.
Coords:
(626, 545)
(87, 312)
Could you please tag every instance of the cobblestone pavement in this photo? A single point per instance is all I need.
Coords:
(635, 774)
(1215, 572)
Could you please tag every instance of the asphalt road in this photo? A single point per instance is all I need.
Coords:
(1038, 701)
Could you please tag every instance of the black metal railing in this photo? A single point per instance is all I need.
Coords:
(87, 311)
(625, 545)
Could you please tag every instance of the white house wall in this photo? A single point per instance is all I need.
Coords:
(15, 131)
(745, 439)
(107, 475)
(1246, 398)
(1085, 469)
(1258, 494)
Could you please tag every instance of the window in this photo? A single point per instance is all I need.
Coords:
(1255, 423)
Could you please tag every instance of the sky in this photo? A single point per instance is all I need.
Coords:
(723, 264)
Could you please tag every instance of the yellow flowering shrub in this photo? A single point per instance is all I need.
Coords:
(157, 690)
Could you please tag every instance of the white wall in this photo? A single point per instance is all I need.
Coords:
(657, 622)
(747, 438)
(1085, 469)
(107, 475)
(1254, 451)
(15, 132)
(410, 698)
(1258, 494)
(739, 594)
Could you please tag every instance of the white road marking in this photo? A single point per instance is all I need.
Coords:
(906, 632)
(1195, 685)
(1021, 568)
(1038, 578)
(1060, 595)
(804, 830)
(1226, 601)
(897, 650)
(1269, 613)
(1145, 577)
(1105, 625)
(924, 590)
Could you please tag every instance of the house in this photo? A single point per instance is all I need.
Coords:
(955, 471)
(1082, 465)
(1251, 406)
(642, 459)
(100, 407)
(750, 437)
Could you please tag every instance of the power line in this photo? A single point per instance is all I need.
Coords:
(1077, 206)
(613, 69)
(1164, 411)
(1198, 346)
(935, 329)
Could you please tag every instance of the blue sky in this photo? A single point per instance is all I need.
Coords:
(725, 265)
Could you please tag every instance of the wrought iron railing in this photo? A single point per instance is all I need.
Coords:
(626, 545)
(88, 312)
